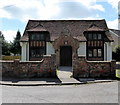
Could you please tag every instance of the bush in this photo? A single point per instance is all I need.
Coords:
(116, 53)
(10, 57)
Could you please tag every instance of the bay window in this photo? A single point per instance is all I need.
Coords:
(95, 46)
(37, 45)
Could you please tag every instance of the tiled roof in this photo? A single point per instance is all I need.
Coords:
(24, 38)
(37, 29)
(75, 28)
(116, 31)
(94, 28)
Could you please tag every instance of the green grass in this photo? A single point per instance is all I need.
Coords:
(118, 73)
(57, 71)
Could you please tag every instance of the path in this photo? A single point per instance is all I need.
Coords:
(65, 75)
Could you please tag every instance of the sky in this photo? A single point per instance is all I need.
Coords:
(14, 14)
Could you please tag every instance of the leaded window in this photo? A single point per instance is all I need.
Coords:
(37, 44)
(95, 46)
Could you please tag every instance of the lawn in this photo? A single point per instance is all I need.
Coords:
(118, 70)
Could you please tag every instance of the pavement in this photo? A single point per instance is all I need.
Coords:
(51, 81)
(64, 78)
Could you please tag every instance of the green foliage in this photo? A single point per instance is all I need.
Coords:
(15, 46)
(116, 53)
(12, 47)
(5, 45)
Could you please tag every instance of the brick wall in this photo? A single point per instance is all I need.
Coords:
(84, 68)
(43, 68)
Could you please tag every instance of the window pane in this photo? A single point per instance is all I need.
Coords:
(33, 53)
(95, 36)
(41, 36)
(89, 36)
(33, 37)
(95, 52)
(37, 36)
(99, 36)
(99, 52)
(37, 52)
(90, 53)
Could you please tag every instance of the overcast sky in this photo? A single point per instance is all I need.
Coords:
(14, 14)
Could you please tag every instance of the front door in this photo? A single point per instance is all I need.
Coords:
(65, 56)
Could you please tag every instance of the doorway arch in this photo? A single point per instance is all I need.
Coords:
(65, 40)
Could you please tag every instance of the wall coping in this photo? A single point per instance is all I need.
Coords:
(47, 55)
(98, 61)
(6, 61)
(2, 61)
(32, 61)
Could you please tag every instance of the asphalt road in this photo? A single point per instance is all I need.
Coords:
(87, 93)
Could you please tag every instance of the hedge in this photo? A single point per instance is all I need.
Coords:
(10, 57)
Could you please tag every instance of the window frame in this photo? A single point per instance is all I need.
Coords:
(92, 36)
(92, 50)
(37, 36)
(95, 43)
(37, 47)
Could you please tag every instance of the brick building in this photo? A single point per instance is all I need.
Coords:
(82, 44)
(89, 38)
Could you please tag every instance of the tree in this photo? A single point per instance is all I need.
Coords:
(5, 45)
(15, 46)
(116, 53)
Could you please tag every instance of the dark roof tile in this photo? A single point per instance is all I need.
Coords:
(75, 28)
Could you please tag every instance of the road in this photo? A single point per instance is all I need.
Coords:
(87, 93)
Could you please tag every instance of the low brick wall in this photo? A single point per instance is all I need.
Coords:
(43, 68)
(84, 68)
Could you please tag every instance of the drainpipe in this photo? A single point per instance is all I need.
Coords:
(106, 51)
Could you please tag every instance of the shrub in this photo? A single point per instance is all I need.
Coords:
(116, 53)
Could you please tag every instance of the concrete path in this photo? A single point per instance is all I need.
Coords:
(65, 75)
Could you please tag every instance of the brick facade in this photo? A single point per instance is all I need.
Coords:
(84, 68)
(65, 40)
(43, 68)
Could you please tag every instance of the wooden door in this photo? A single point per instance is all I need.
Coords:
(65, 56)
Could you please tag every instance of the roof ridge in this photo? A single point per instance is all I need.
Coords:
(68, 20)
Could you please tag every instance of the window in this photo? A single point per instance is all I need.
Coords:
(38, 36)
(89, 36)
(33, 37)
(99, 36)
(94, 36)
(37, 52)
(37, 45)
(94, 52)
(99, 52)
(41, 36)
(90, 53)
(95, 46)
